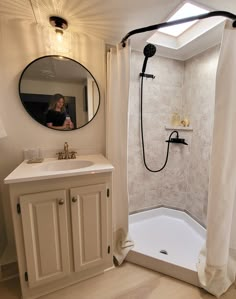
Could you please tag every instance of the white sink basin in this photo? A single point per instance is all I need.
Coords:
(51, 168)
(62, 165)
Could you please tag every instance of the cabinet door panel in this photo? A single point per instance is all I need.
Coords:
(45, 230)
(89, 225)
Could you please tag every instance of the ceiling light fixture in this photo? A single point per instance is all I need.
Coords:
(60, 24)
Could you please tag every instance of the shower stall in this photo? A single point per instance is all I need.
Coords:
(168, 208)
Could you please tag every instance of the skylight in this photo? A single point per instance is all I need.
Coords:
(187, 10)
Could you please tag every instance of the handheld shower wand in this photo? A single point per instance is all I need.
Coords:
(148, 51)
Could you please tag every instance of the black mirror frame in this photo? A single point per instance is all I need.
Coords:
(59, 56)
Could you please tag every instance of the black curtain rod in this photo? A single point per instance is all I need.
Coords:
(180, 21)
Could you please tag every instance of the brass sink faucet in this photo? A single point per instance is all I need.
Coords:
(66, 154)
(66, 150)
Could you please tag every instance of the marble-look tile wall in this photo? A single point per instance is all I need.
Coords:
(162, 97)
(199, 103)
(186, 88)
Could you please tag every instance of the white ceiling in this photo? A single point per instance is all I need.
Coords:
(111, 20)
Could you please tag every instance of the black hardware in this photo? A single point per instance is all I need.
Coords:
(58, 22)
(26, 276)
(163, 251)
(177, 140)
(108, 249)
(147, 75)
(108, 192)
(225, 14)
(18, 208)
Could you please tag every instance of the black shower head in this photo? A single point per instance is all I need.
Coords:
(149, 50)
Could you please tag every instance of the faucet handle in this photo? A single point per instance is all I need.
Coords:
(73, 155)
(60, 155)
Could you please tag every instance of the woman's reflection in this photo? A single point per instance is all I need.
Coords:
(57, 116)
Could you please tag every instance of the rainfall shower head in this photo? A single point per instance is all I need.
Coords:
(148, 51)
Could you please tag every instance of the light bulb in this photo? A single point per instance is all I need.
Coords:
(59, 34)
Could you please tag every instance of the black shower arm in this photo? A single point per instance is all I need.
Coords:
(226, 14)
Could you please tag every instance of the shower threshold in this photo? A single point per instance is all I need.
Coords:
(167, 241)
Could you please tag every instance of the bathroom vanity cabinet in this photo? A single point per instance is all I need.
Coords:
(63, 230)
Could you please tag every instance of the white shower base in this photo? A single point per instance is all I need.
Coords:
(172, 231)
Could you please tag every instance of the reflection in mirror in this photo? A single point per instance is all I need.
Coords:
(59, 92)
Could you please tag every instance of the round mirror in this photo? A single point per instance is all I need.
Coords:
(59, 93)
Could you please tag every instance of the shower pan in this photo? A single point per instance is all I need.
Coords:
(167, 241)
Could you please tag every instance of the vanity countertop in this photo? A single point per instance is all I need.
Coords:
(26, 172)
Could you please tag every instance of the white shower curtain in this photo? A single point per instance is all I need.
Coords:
(118, 78)
(217, 263)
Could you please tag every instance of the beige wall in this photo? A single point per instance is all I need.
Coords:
(21, 43)
(183, 87)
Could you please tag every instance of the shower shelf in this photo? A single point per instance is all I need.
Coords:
(179, 128)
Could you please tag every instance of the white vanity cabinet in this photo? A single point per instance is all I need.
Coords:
(45, 232)
(89, 226)
(63, 230)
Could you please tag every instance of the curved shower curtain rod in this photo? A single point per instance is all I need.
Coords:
(226, 14)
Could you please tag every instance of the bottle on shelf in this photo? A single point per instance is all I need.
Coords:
(175, 119)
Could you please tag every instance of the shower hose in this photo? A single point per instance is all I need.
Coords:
(142, 137)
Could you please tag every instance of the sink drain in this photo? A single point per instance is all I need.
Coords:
(163, 251)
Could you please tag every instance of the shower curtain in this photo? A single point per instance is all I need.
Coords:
(217, 263)
(118, 78)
